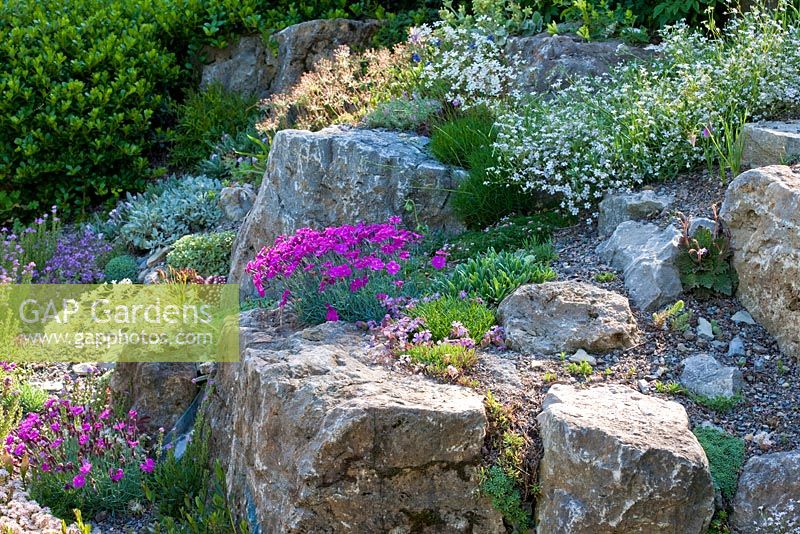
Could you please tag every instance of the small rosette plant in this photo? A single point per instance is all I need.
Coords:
(77, 456)
(338, 273)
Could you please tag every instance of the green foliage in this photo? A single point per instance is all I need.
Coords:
(725, 457)
(160, 217)
(440, 314)
(501, 489)
(717, 404)
(122, 267)
(500, 17)
(705, 260)
(493, 276)
(203, 118)
(31, 398)
(453, 142)
(676, 316)
(582, 368)
(208, 254)
(438, 357)
(598, 19)
(240, 157)
(669, 388)
(513, 233)
(605, 277)
(403, 114)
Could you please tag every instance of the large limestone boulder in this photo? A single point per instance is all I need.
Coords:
(249, 66)
(546, 319)
(160, 391)
(547, 59)
(340, 176)
(770, 143)
(616, 208)
(313, 438)
(616, 461)
(646, 256)
(762, 212)
(768, 498)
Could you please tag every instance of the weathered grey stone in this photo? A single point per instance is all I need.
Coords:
(701, 222)
(236, 201)
(617, 208)
(770, 143)
(646, 256)
(762, 212)
(736, 347)
(704, 329)
(341, 176)
(302, 45)
(768, 498)
(546, 319)
(314, 438)
(246, 66)
(547, 59)
(618, 461)
(582, 356)
(158, 391)
(743, 317)
(704, 375)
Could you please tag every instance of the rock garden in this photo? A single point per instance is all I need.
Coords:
(501, 266)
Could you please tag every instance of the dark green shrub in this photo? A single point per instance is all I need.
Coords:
(203, 118)
(509, 234)
(495, 275)
(725, 458)
(208, 254)
(121, 268)
(440, 314)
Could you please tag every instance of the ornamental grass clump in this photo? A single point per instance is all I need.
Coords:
(75, 455)
(340, 272)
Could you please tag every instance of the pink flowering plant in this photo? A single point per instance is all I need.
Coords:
(340, 272)
(80, 456)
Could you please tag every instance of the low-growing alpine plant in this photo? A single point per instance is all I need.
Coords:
(77, 455)
(340, 272)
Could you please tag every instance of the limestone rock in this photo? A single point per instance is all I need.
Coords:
(158, 391)
(618, 461)
(314, 438)
(743, 317)
(768, 497)
(341, 176)
(236, 201)
(646, 256)
(302, 45)
(547, 59)
(617, 208)
(770, 143)
(762, 212)
(246, 66)
(704, 375)
(546, 319)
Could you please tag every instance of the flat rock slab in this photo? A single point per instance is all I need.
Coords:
(646, 256)
(616, 461)
(315, 439)
(342, 176)
(762, 213)
(770, 143)
(768, 498)
(704, 375)
(546, 319)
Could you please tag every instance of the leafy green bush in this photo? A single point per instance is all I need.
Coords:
(509, 234)
(121, 268)
(203, 118)
(437, 358)
(495, 275)
(160, 217)
(208, 254)
(404, 114)
(453, 141)
(704, 261)
(241, 157)
(725, 457)
(441, 313)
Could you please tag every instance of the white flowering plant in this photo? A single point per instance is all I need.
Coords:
(647, 121)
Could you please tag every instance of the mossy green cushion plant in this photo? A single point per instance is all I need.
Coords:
(208, 254)
(725, 458)
(122, 268)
